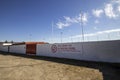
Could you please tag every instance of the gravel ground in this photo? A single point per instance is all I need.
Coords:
(16, 67)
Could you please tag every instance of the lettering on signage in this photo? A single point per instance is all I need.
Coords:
(54, 48)
(64, 48)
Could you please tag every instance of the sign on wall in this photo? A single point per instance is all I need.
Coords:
(65, 48)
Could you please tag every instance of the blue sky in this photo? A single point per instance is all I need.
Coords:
(31, 20)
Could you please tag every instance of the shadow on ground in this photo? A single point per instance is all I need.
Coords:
(109, 71)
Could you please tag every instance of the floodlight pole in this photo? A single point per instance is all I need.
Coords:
(52, 31)
(109, 36)
(82, 33)
(71, 39)
(118, 33)
(82, 27)
(97, 38)
(30, 35)
(61, 36)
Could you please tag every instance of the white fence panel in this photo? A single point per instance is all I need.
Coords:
(18, 49)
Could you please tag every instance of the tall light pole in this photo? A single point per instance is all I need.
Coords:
(71, 39)
(108, 36)
(52, 30)
(82, 32)
(97, 38)
(30, 35)
(61, 36)
(82, 27)
(118, 33)
(88, 38)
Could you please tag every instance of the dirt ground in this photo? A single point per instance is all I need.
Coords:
(16, 67)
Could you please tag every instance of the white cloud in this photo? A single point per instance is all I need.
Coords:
(96, 21)
(109, 11)
(97, 33)
(97, 12)
(69, 21)
(115, 1)
(119, 8)
(61, 25)
(84, 18)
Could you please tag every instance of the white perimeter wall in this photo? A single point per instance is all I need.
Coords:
(3, 48)
(106, 51)
(18, 49)
(45, 50)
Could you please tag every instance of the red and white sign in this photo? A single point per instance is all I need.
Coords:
(67, 48)
(54, 48)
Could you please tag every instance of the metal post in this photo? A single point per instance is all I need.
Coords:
(88, 38)
(61, 37)
(82, 27)
(71, 39)
(108, 36)
(82, 33)
(52, 31)
(97, 38)
(119, 35)
(30, 35)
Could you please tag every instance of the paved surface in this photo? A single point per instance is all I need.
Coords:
(14, 67)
